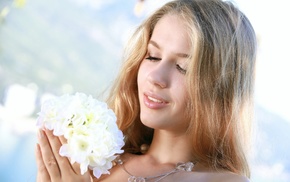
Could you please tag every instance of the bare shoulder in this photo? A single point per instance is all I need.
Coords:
(212, 177)
(229, 177)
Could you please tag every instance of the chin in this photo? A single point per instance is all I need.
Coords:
(151, 123)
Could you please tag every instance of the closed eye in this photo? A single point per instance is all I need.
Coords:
(153, 58)
(180, 69)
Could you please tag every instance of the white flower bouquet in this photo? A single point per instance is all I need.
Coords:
(93, 137)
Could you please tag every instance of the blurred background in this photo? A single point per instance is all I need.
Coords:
(52, 47)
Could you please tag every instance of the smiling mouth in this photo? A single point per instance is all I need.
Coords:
(154, 99)
(154, 102)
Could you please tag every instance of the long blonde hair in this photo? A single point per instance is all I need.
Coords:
(220, 80)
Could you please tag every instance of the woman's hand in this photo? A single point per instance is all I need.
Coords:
(53, 167)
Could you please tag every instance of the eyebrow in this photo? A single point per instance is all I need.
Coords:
(182, 55)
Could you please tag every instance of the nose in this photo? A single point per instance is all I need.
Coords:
(159, 75)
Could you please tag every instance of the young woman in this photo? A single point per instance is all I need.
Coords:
(183, 99)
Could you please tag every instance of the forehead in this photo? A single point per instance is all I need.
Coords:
(171, 33)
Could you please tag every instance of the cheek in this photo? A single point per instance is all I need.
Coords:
(139, 78)
(182, 109)
(181, 95)
(182, 101)
(179, 84)
(140, 83)
(141, 75)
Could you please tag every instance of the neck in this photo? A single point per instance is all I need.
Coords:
(169, 148)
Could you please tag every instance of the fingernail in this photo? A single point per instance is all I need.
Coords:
(40, 133)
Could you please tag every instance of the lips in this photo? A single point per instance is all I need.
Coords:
(153, 101)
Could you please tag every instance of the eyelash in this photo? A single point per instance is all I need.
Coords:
(153, 58)
(178, 67)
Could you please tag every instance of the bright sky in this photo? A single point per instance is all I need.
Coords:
(271, 22)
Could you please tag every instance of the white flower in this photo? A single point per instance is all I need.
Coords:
(93, 137)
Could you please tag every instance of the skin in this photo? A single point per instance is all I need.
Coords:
(50, 165)
(161, 78)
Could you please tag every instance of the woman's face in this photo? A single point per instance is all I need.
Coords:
(161, 77)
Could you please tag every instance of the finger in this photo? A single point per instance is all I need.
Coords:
(75, 166)
(48, 157)
(62, 139)
(42, 174)
(65, 166)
